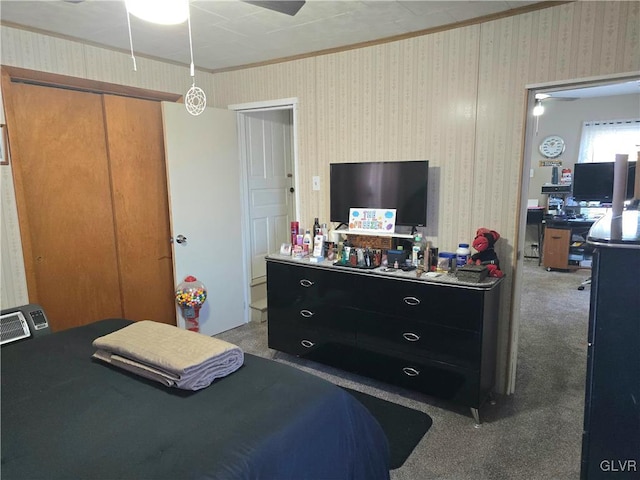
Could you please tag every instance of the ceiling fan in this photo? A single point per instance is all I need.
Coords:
(288, 7)
(546, 97)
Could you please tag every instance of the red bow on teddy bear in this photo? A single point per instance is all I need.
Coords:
(484, 243)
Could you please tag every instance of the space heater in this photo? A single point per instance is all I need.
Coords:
(21, 323)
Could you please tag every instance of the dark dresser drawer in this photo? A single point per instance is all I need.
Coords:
(329, 320)
(420, 374)
(322, 346)
(436, 304)
(451, 345)
(291, 284)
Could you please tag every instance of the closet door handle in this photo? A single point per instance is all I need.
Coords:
(411, 337)
(306, 283)
(411, 301)
(411, 372)
(307, 343)
(306, 313)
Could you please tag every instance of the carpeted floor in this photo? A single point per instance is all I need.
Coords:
(533, 434)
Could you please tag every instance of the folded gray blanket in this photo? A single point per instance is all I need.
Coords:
(167, 354)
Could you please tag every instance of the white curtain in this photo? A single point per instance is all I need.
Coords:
(601, 141)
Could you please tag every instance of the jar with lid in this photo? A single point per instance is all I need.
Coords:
(445, 260)
(462, 255)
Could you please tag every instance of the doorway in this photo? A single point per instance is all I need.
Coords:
(268, 153)
(608, 86)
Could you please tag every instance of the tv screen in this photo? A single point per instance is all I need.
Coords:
(593, 182)
(399, 185)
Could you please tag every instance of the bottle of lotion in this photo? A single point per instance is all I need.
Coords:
(306, 242)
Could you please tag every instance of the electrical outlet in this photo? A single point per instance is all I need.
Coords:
(316, 182)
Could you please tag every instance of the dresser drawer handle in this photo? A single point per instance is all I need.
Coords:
(307, 343)
(411, 337)
(411, 301)
(410, 371)
(306, 313)
(306, 283)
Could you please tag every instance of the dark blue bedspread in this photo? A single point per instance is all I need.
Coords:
(65, 415)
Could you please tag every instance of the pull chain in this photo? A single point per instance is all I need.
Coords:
(195, 100)
(135, 69)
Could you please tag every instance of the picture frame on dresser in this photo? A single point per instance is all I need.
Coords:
(285, 249)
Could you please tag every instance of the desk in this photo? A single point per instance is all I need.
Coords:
(559, 244)
(535, 216)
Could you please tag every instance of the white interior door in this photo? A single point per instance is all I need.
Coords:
(270, 178)
(203, 170)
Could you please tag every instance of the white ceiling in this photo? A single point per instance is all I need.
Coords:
(231, 33)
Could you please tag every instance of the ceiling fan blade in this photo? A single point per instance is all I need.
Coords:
(545, 97)
(288, 7)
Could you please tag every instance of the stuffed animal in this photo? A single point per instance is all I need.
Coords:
(486, 255)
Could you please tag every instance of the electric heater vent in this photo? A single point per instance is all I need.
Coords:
(13, 326)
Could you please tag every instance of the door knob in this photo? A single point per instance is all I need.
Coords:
(291, 189)
(181, 239)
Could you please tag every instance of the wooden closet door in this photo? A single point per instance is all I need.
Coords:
(140, 202)
(61, 175)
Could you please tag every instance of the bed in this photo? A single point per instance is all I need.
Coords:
(66, 415)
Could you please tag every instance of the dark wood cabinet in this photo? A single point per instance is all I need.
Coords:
(434, 337)
(564, 244)
(556, 248)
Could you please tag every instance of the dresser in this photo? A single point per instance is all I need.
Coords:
(611, 434)
(433, 336)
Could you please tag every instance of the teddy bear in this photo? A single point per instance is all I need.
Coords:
(486, 255)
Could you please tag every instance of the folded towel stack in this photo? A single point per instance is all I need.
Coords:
(167, 354)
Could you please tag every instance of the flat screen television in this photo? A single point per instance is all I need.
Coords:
(399, 185)
(593, 182)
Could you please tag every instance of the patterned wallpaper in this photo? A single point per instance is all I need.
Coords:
(25, 49)
(456, 98)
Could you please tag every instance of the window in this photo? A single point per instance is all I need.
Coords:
(602, 140)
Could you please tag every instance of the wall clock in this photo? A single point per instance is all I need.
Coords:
(552, 146)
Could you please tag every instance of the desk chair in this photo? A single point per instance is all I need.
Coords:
(585, 283)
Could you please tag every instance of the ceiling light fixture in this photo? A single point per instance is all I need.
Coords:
(168, 12)
(538, 109)
(162, 12)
